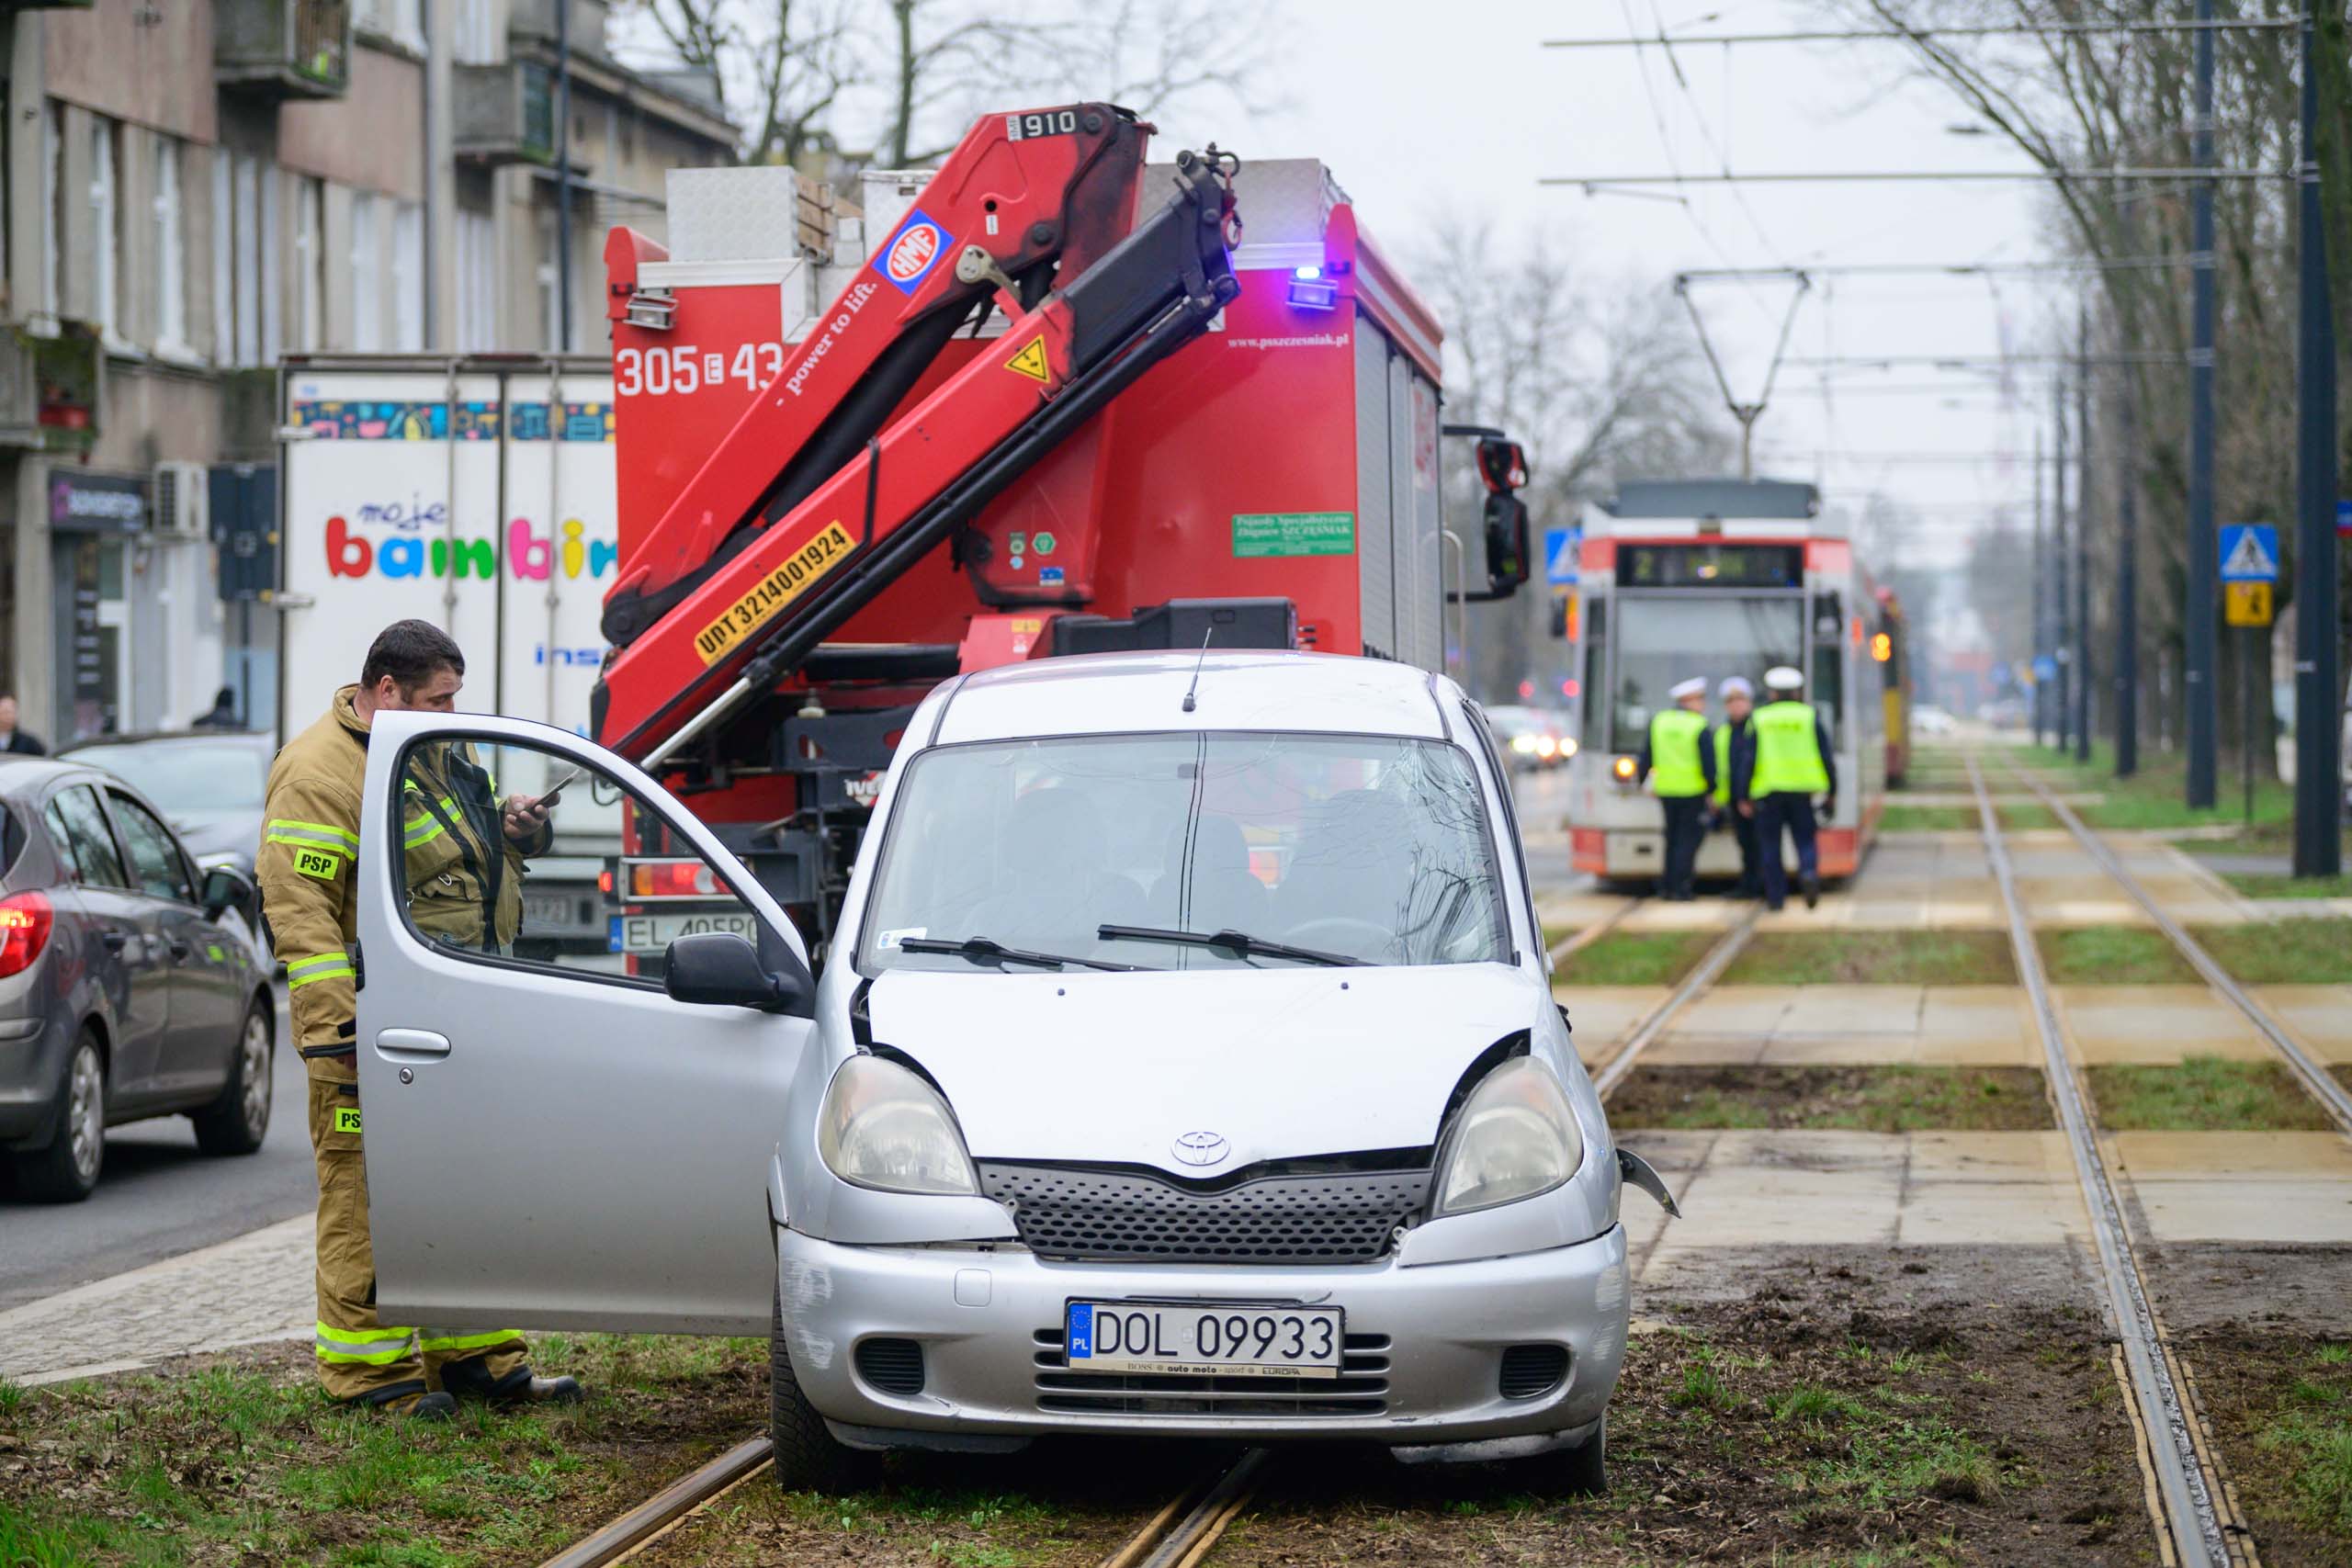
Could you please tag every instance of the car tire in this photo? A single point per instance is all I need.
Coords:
(809, 1458)
(236, 1123)
(1583, 1471)
(67, 1170)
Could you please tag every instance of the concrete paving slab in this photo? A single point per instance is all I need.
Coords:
(1603, 1016)
(2273, 1212)
(1847, 1025)
(2155, 1025)
(2318, 1018)
(2234, 1156)
(1700, 914)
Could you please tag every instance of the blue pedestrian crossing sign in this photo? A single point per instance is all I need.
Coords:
(1561, 546)
(2250, 552)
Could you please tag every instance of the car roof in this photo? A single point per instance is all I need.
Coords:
(257, 737)
(1136, 693)
(23, 775)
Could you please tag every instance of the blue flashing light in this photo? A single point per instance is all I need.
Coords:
(1314, 293)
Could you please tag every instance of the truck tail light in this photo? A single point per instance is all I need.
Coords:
(673, 879)
(24, 921)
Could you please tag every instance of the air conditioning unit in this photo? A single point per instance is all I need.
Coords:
(183, 494)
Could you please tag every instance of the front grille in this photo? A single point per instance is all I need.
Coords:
(1097, 1216)
(1360, 1388)
(894, 1365)
(1532, 1369)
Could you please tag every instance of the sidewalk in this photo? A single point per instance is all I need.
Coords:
(257, 1286)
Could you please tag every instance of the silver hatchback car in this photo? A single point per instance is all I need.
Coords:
(1179, 1067)
(131, 984)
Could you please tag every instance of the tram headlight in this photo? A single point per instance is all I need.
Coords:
(1623, 770)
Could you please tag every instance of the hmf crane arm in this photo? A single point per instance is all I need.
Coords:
(810, 506)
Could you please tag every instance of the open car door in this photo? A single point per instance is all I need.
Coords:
(551, 1140)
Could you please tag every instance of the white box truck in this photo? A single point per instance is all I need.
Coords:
(477, 493)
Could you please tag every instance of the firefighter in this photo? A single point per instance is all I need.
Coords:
(1791, 762)
(1735, 744)
(463, 850)
(1681, 767)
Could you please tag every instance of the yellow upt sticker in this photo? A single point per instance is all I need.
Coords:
(321, 864)
(779, 588)
(346, 1120)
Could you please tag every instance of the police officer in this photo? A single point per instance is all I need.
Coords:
(463, 851)
(1681, 767)
(1734, 746)
(1791, 762)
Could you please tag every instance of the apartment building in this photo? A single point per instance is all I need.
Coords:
(190, 189)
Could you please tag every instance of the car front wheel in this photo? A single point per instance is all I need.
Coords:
(237, 1122)
(67, 1170)
(809, 1458)
(1583, 1471)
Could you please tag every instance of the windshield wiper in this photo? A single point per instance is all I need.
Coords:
(984, 950)
(1240, 944)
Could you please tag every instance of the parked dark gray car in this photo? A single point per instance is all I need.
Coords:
(209, 783)
(131, 984)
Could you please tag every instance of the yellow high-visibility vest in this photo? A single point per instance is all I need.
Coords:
(1675, 772)
(1788, 751)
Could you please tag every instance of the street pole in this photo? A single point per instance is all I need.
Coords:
(2062, 648)
(2042, 688)
(2127, 586)
(2082, 541)
(2319, 844)
(2198, 689)
(562, 189)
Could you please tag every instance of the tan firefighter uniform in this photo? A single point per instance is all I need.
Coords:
(464, 883)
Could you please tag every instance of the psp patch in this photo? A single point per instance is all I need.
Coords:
(346, 1120)
(912, 252)
(321, 864)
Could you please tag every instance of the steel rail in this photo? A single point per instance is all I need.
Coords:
(1717, 960)
(1173, 1540)
(2191, 1520)
(2314, 1075)
(674, 1502)
(1583, 937)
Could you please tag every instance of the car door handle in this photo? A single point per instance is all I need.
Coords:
(411, 1045)
(116, 940)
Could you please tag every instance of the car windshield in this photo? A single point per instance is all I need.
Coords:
(1370, 847)
(1663, 640)
(187, 776)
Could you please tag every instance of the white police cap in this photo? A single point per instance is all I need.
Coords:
(1734, 686)
(1695, 687)
(1783, 678)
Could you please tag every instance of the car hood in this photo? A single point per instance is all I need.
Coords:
(212, 832)
(1279, 1062)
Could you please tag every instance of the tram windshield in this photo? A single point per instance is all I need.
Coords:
(1663, 641)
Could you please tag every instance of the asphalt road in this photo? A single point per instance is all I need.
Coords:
(158, 1197)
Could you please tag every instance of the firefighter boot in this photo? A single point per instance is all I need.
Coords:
(473, 1379)
(415, 1406)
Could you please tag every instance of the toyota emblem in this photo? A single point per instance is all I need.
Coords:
(1201, 1148)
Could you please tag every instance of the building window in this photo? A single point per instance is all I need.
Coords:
(408, 277)
(476, 42)
(171, 249)
(245, 244)
(477, 282)
(310, 266)
(366, 289)
(106, 228)
(400, 20)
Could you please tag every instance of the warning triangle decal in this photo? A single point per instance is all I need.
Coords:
(2248, 559)
(1030, 361)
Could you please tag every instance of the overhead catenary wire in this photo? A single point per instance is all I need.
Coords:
(1917, 35)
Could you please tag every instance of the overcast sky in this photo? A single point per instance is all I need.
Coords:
(1418, 119)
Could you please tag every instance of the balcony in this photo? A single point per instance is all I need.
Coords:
(283, 49)
(534, 22)
(504, 113)
(50, 389)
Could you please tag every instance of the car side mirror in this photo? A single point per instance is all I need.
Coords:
(226, 887)
(1507, 565)
(721, 969)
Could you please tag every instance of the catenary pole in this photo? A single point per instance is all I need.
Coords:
(562, 343)
(2082, 541)
(2319, 763)
(2199, 691)
(2061, 644)
(2042, 688)
(2127, 583)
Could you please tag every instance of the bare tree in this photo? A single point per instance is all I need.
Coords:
(781, 65)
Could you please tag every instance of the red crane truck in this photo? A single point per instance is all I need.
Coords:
(1068, 402)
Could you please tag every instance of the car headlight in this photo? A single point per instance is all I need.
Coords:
(1517, 1137)
(884, 1127)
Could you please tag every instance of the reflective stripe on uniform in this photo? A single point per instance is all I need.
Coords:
(442, 1342)
(425, 826)
(285, 831)
(301, 972)
(368, 1347)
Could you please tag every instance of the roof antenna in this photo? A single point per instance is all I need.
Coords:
(1197, 668)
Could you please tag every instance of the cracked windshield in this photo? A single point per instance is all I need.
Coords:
(1369, 849)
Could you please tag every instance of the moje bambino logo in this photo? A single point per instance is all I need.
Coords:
(908, 259)
(530, 556)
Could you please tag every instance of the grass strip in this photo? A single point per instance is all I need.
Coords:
(2112, 955)
(2204, 1094)
(2273, 885)
(1636, 958)
(1901, 818)
(2154, 796)
(2026, 815)
(1891, 1098)
(1879, 957)
(2283, 953)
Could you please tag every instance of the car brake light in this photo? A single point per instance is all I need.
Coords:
(25, 920)
(672, 879)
